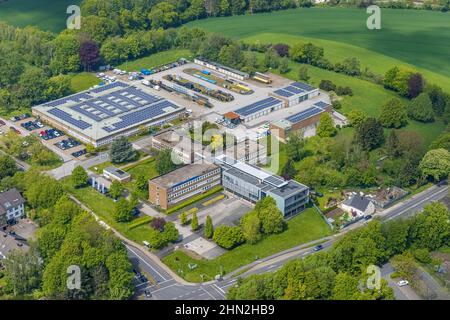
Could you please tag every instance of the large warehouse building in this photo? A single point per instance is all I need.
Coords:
(100, 115)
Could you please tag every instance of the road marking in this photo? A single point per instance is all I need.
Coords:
(146, 263)
(215, 285)
(417, 204)
(209, 293)
(217, 289)
(164, 288)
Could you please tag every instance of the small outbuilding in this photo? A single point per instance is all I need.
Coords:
(113, 173)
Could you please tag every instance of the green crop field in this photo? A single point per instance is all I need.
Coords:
(46, 14)
(408, 37)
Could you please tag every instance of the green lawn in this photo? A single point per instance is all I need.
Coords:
(155, 60)
(46, 14)
(145, 168)
(83, 81)
(104, 207)
(305, 227)
(415, 37)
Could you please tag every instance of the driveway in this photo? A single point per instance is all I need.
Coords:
(401, 293)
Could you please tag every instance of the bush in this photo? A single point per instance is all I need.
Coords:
(228, 237)
(344, 91)
(422, 255)
(327, 85)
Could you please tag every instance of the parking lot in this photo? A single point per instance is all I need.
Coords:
(66, 147)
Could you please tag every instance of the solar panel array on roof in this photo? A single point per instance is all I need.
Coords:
(146, 113)
(257, 106)
(321, 104)
(312, 111)
(294, 90)
(275, 180)
(109, 86)
(283, 93)
(75, 98)
(303, 86)
(69, 119)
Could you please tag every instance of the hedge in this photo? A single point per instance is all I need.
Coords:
(194, 199)
(139, 222)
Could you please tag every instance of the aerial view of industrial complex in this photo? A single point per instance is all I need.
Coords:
(224, 150)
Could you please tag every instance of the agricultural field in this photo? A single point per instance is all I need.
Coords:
(408, 37)
(48, 15)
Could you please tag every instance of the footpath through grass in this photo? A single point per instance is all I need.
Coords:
(305, 227)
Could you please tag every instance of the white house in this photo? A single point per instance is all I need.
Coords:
(11, 206)
(358, 205)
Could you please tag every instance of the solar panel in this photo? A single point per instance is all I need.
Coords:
(75, 98)
(321, 104)
(79, 109)
(258, 106)
(275, 180)
(303, 86)
(294, 90)
(69, 119)
(312, 111)
(283, 93)
(152, 111)
(109, 86)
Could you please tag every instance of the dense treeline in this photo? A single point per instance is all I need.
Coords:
(67, 236)
(341, 273)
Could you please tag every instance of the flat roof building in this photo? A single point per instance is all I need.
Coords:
(183, 147)
(222, 69)
(99, 115)
(305, 121)
(183, 183)
(295, 93)
(253, 184)
(113, 173)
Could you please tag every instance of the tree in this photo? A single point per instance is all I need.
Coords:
(271, 217)
(194, 222)
(158, 224)
(295, 147)
(141, 182)
(415, 85)
(345, 287)
(122, 211)
(306, 53)
(89, 55)
(370, 134)
(439, 99)
(183, 218)
(116, 189)
(282, 49)
(209, 229)
(288, 172)
(283, 67)
(164, 163)
(431, 228)
(231, 55)
(8, 166)
(303, 74)
(90, 148)
(356, 117)
(397, 79)
(79, 177)
(436, 164)
(271, 58)
(228, 237)
(326, 126)
(163, 15)
(122, 151)
(392, 144)
(393, 114)
(421, 109)
(327, 85)
(442, 141)
(396, 234)
(251, 227)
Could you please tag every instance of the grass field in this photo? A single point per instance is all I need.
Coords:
(155, 60)
(83, 81)
(46, 14)
(305, 227)
(418, 38)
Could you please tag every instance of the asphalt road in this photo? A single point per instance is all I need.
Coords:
(166, 288)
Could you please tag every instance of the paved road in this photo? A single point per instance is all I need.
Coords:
(401, 293)
(168, 288)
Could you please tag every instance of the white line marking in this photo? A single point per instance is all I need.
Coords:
(164, 288)
(217, 290)
(209, 293)
(146, 263)
(215, 285)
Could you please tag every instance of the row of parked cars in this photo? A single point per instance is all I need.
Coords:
(79, 153)
(67, 144)
(50, 134)
(32, 125)
(21, 117)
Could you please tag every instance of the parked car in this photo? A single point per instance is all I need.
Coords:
(148, 294)
(368, 217)
(318, 248)
(402, 283)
